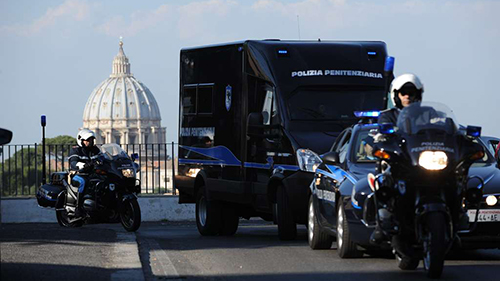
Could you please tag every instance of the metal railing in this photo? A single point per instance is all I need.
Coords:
(21, 166)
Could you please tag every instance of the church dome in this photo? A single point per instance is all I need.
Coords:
(122, 102)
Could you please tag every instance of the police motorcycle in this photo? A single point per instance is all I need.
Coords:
(420, 189)
(110, 191)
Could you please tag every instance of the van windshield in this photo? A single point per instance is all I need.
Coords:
(332, 104)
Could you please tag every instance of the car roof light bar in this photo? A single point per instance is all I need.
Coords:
(361, 114)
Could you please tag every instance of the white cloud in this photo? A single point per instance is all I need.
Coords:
(199, 18)
(139, 21)
(76, 10)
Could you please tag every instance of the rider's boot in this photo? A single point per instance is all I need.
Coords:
(79, 205)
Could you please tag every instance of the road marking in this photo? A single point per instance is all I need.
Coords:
(126, 258)
(160, 263)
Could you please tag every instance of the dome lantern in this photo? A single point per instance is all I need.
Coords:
(121, 66)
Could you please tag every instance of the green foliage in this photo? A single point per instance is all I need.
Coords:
(21, 173)
(65, 139)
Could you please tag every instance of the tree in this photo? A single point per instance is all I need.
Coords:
(22, 172)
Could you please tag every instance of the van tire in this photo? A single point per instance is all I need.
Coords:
(229, 221)
(208, 214)
(287, 228)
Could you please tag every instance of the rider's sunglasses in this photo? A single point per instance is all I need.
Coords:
(409, 94)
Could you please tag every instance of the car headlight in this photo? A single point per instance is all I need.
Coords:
(128, 173)
(308, 160)
(433, 160)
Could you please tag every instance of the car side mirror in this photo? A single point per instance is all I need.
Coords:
(5, 136)
(331, 157)
(255, 123)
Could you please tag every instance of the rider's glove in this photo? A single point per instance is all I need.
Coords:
(81, 165)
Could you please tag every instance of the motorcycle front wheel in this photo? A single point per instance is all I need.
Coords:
(435, 244)
(130, 215)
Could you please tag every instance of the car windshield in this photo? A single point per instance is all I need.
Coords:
(426, 115)
(364, 148)
(332, 104)
(486, 158)
(113, 150)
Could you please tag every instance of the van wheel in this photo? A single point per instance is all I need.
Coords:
(345, 247)
(317, 238)
(287, 228)
(230, 221)
(208, 214)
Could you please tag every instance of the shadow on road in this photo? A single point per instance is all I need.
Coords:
(40, 271)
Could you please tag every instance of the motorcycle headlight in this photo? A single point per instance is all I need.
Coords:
(433, 160)
(308, 160)
(128, 173)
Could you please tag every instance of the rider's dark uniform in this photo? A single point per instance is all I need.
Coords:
(389, 116)
(84, 155)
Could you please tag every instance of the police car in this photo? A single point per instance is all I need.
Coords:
(340, 187)
(487, 232)
(333, 211)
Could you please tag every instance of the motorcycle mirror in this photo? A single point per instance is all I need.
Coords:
(473, 131)
(5, 136)
(134, 156)
(386, 128)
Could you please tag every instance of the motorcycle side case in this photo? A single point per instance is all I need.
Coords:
(46, 195)
(57, 178)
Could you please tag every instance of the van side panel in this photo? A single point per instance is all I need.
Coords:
(210, 140)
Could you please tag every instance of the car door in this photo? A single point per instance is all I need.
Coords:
(329, 177)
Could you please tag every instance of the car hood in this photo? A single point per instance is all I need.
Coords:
(490, 173)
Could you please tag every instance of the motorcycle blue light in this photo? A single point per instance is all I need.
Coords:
(473, 131)
(361, 114)
(386, 128)
(372, 53)
(389, 64)
(283, 52)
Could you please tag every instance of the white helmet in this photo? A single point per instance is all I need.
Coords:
(406, 81)
(87, 135)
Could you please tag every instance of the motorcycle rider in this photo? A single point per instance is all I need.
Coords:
(80, 161)
(405, 89)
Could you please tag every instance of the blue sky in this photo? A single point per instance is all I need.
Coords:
(54, 53)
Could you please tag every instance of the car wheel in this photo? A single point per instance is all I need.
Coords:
(317, 238)
(345, 247)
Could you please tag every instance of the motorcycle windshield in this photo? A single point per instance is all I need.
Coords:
(112, 151)
(425, 116)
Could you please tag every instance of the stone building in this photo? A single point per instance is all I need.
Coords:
(123, 110)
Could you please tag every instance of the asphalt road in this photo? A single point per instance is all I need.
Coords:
(175, 251)
(255, 253)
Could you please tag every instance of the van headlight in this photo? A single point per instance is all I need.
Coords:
(128, 173)
(308, 160)
(433, 160)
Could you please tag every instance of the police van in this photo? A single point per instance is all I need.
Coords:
(246, 111)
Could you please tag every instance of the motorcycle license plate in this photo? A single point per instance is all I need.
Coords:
(485, 215)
